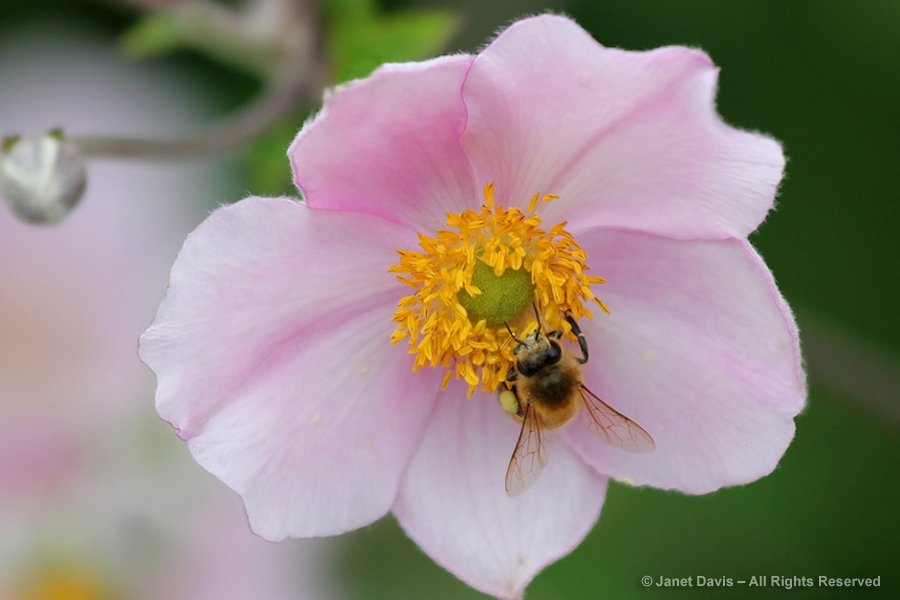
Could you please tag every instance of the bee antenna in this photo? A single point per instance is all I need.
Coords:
(537, 315)
(517, 340)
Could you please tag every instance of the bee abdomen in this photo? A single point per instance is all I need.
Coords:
(556, 398)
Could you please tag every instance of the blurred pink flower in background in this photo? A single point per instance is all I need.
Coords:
(273, 349)
(92, 500)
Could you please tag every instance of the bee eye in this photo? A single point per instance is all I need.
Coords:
(554, 353)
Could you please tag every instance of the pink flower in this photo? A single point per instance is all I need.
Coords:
(273, 347)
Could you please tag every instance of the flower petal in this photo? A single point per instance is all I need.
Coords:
(453, 501)
(273, 358)
(626, 139)
(398, 155)
(701, 350)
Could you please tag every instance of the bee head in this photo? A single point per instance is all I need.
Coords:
(536, 352)
(532, 342)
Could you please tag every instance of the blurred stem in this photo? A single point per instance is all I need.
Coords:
(297, 77)
(281, 99)
(851, 367)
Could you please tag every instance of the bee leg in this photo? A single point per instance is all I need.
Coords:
(509, 398)
(581, 341)
(555, 335)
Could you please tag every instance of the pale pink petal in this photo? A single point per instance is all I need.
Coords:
(453, 501)
(387, 145)
(626, 139)
(273, 355)
(701, 350)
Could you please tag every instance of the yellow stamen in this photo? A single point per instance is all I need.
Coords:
(473, 343)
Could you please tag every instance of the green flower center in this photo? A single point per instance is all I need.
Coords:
(502, 299)
(484, 270)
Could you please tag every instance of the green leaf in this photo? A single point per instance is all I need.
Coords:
(266, 160)
(360, 39)
(153, 35)
(196, 27)
(348, 10)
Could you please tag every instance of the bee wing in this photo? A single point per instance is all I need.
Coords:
(613, 427)
(528, 458)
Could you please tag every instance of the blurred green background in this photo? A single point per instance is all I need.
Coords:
(824, 78)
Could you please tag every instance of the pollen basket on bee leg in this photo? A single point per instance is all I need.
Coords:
(485, 270)
(510, 402)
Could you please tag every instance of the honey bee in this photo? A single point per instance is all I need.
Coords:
(544, 388)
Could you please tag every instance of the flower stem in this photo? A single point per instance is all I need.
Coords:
(851, 366)
(295, 76)
(279, 100)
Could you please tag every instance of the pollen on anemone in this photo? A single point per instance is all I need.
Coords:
(326, 392)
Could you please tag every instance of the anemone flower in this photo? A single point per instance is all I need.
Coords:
(93, 503)
(340, 357)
